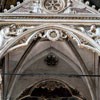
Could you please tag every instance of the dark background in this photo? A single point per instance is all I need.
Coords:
(6, 3)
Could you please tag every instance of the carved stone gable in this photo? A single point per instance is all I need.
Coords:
(51, 7)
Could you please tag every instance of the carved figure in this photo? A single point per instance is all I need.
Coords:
(94, 33)
(36, 7)
(97, 39)
(69, 7)
(69, 3)
(7, 34)
(22, 29)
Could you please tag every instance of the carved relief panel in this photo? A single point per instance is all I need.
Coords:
(51, 7)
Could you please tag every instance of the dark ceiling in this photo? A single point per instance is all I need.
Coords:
(7, 3)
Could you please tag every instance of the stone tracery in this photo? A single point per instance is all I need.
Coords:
(54, 6)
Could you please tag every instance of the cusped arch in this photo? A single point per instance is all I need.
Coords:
(70, 31)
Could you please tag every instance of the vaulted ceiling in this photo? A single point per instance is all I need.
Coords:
(7, 3)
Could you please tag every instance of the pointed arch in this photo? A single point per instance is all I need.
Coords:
(65, 58)
(58, 26)
(94, 46)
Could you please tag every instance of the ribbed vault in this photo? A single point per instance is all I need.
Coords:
(20, 66)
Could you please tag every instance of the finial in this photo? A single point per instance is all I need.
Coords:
(5, 10)
(87, 2)
(11, 6)
(99, 10)
(18, 3)
(93, 6)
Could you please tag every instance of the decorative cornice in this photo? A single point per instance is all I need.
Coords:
(44, 17)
